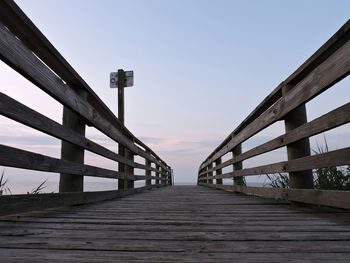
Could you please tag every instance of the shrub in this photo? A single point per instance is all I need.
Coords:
(331, 178)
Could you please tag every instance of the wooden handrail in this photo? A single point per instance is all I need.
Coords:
(334, 43)
(24, 48)
(326, 67)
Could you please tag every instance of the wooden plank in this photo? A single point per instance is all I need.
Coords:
(25, 115)
(24, 29)
(339, 199)
(193, 223)
(227, 228)
(14, 204)
(325, 51)
(329, 72)
(40, 255)
(176, 235)
(102, 244)
(13, 157)
(328, 159)
(17, 56)
(331, 120)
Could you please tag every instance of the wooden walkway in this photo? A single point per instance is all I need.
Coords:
(178, 224)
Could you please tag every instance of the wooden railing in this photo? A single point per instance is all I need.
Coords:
(24, 48)
(329, 65)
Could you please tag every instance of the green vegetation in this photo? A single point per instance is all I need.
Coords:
(329, 178)
(240, 181)
(280, 180)
(3, 183)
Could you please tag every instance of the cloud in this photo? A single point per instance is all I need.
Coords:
(151, 140)
(29, 140)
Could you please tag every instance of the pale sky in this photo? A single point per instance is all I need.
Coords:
(200, 68)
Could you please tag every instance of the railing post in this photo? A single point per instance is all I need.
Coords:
(238, 165)
(170, 176)
(294, 119)
(202, 177)
(71, 152)
(209, 174)
(206, 180)
(218, 171)
(157, 173)
(167, 178)
(148, 172)
(121, 166)
(199, 176)
(128, 169)
(161, 175)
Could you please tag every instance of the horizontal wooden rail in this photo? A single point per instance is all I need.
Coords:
(334, 43)
(331, 120)
(24, 29)
(23, 114)
(19, 57)
(340, 199)
(13, 157)
(329, 159)
(329, 65)
(332, 70)
(25, 49)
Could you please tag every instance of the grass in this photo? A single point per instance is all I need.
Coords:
(240, 181)
(328, 178)
(279, 180)
(4, 189)
(38, 189)
(331, 178)
(3, 183)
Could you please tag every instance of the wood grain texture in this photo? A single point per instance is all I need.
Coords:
(338, 40)
(329, 72)
(20, 58)
(13, 157)
(193, 224)
(17, 111)
(331, 120)
(339, 199)
(24, 29)
(14, 204)
(328, 159)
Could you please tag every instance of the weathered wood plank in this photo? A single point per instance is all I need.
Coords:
(27, 255)
(24, 29)
(331, 120)
(176, 235)
(14, 204)
(91, 243)
(20, 58)
(340, 199)
(13, 157)
(25, 115)
(328, 159)
(319, 57)
(330, 71)
(203, 223)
